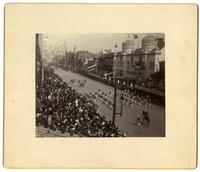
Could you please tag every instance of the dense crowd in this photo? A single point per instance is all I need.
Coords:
(155, 84)
(156, 81)
(64, 109)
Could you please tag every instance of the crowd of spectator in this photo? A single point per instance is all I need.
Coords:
(155, 84)
(156, 81)
(64, 109)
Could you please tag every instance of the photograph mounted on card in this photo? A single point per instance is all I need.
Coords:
(88, 87)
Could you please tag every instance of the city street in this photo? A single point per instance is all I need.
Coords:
(126, 122)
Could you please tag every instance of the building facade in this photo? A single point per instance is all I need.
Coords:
(139, 62)
(105, 62)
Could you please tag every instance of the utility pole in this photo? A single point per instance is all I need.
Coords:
(115, 87)
(115, 96)
(65, 55)
(115, 92)
(75, 58)
(115, 102)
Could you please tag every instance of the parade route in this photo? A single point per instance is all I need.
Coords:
(126, 122)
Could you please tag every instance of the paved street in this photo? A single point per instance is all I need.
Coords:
(128, 119)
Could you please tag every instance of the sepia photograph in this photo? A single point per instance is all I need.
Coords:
(89, 82)
(100, 85)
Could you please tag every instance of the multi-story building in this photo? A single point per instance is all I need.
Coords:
(105, 62)
(138, 60)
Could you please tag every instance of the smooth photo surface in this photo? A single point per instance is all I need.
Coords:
(100, 85)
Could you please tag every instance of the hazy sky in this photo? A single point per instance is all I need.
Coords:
(90, 42)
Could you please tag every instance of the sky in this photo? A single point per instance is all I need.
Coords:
(93, 42)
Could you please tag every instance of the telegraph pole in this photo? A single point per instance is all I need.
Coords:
(115, 87)
(75, 58)
(115, 96)
(115, 91)
(65, 55)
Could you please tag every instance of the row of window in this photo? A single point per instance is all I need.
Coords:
(135, 73)
(137, 64)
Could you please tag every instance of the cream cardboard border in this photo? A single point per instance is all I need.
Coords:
(177, 150)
